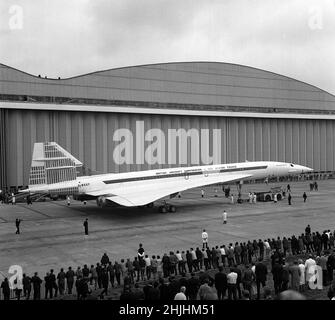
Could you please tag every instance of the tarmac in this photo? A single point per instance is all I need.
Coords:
(52, 233)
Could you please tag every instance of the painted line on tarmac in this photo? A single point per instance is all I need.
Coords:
(36, 211)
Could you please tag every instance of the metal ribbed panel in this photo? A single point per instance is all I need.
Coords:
(89, 137)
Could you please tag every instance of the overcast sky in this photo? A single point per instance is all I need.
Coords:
(65, 38)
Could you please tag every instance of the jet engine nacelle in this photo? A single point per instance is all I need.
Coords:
(101, 201)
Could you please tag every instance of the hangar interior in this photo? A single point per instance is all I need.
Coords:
(259, 115)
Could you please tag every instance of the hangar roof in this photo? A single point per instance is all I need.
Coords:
(199, 84)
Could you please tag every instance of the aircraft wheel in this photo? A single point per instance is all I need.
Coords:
(162, 209)
(172, 209)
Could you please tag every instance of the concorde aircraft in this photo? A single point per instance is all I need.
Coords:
(54, 172)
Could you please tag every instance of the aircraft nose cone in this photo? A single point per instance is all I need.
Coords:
(306, 169)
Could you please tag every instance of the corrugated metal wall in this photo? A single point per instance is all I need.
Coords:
(89, 137)
(3, 163)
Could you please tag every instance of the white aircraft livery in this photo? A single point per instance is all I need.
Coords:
(54, 172)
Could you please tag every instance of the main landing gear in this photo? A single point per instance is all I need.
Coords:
(167, 208)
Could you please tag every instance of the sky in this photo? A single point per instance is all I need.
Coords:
(65, 38)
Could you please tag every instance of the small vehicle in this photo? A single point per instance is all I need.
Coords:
(267, 196)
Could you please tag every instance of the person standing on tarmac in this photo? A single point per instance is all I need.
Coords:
(224, 217)
(86, 226)
(17, 224)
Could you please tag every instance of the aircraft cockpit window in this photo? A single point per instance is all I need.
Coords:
(291, 165)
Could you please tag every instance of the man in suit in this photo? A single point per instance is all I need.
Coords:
(261, 272)
(221, 283)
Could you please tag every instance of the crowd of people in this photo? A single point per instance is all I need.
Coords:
(235, 271)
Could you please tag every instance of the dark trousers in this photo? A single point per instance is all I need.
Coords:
(277, 286)
(26, 292)
(48, 292)
(248, 287)
(118, 278)
(232, 292)
(69, 287)
(221, 293)
(284, 286)
(258, 285)
(37, 293)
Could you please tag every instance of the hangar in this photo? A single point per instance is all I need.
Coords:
(135, 118)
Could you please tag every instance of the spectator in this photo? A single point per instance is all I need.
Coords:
(140, 252)
(138, 294)
(48, 286)
(277, 270)
(117, 269)
(69, 280)
(5, 289)
(104, 259)
(147, 266)
(193, 287)
(111, 272)
(295, 275)
(36, 281)
(166, 265)
(52, 278)
(304, 196)
(204, 291)
(247, 280)
(104, 281)
(221, 283)
(181, 295)
(310, 268)
(98, 269)
(94, 276)
(331, 266)
(26, 281)
(285, 276)
(61, 281)
(261, 273)
(302, 280)
(137, 268)
(231, 282)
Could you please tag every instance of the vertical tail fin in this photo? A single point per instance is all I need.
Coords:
(52, 164)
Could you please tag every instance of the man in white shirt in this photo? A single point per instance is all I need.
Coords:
(147, 266)
(231, 281)
(180, 262)
(224, 216)
(204, 238)
(267, 249)
(302, 276)
(310, 264)
(223, 255)
(181, 295)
